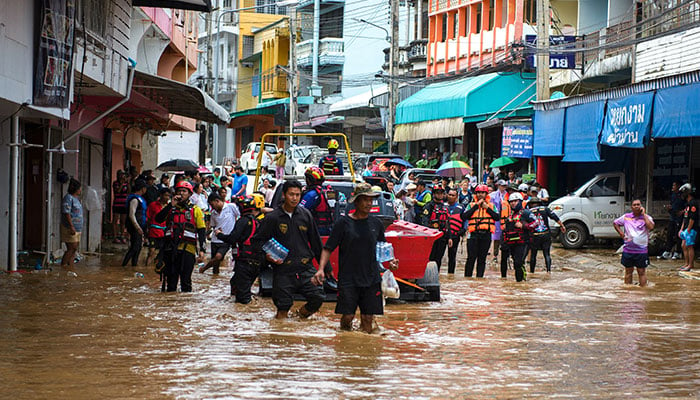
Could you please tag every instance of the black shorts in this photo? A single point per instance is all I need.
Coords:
(630, 260)
(369, 299)
(221, 248)
(541, 242)
(119, 210)
(155, 243)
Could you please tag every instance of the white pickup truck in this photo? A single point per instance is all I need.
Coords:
(591, 210)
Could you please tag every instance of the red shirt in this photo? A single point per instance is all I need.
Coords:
(155, 230)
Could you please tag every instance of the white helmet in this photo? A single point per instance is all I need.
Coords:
(686, 188)
(515, 196)
(523, 187)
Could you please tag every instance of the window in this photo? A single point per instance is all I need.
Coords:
(478, 18)
(605, 187)
(531, 11)
(492, 14)
(443, 28)
(93, 14)
(455, 25)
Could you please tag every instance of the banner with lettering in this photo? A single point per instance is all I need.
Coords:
(517, 140)
(628, 121)
(54, 60)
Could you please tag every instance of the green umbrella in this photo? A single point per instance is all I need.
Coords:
(502, 162)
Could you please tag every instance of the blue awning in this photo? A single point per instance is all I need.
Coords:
(677, 112)
(582, 127)
(548, 129)
(474, 98)
(628, 121)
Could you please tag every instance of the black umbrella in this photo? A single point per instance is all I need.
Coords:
(178, 164)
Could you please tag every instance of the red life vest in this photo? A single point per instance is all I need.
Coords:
(511, 234)
(439, 217)
(245, 248)
(456, 223)
(329, 165)
(323, 213)
(182, 225)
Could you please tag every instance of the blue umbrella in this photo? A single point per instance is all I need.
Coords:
(399, 161)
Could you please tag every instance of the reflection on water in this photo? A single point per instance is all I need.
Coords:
(105, 333)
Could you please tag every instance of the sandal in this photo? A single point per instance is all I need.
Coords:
(686, 269)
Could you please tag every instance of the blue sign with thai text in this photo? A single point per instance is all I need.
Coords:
(628, 121)
(517, 141)
(556, 60)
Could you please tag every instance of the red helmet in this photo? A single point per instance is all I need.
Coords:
(245, 204)
(481, 188)
(184, 184)
(314, 176)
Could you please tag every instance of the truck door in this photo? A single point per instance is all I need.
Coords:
(603, 202)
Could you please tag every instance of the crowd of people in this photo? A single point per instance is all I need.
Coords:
(497, 215)
(494, 214)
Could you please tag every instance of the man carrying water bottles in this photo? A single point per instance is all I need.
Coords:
(294, 228)
(359, 282)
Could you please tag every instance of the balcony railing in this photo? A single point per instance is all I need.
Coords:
(273, 82)
(418, 50)
(331, 51)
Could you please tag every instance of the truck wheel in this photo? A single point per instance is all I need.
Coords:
(575, 236)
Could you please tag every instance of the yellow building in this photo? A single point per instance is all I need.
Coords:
(264, 45)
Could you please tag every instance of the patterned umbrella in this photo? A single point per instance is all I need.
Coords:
(454, 169)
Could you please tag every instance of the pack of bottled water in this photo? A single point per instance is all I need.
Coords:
(275, 250)
(385, 252)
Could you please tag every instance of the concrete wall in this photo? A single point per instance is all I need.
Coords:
(567, 10)
(619, 11)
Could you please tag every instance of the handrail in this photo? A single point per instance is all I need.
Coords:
(266, 135)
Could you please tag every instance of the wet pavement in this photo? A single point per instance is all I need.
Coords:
(106, 333)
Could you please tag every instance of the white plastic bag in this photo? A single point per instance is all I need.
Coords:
(390, 288)
(93, 202)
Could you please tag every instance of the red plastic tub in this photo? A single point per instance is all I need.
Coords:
(412, 244)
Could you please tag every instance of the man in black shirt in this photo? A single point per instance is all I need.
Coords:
(294, 228)
(359, 282)
(540, 237)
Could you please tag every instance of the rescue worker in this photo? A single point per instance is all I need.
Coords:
(248, 259)
(294, 228)
(156, 231)
(135, 221)
(423, 197)
(540, 237)
(331, 164)
(437, 216)
(315, 199)
(185, 229)
(515, 220)
(482, 217)
(456, 210)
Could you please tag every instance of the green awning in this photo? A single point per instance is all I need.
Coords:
(473, 99)
(268, 107)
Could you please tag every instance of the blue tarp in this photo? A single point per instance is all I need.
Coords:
(549, 133)
(582, 127)
(628, 121)
(677, 112)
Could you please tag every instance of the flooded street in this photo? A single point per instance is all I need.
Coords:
(105, 333)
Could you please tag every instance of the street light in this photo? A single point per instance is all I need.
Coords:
(364, 21)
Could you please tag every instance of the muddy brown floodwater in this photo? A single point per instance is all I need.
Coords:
(107, 334)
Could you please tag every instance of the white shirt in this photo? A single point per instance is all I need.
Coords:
(225, 220)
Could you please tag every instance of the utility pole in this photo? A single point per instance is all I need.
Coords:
(208, 87)
(315, 89)
(393, 61)
(291, 74)
(542, 54)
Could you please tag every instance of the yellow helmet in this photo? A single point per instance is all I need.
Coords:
(333, 144)
(259, 200)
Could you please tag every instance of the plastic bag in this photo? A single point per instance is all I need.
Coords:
(390, 288)
(93, 202)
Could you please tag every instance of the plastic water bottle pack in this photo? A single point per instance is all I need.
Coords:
(275, 250)
(385, 252)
